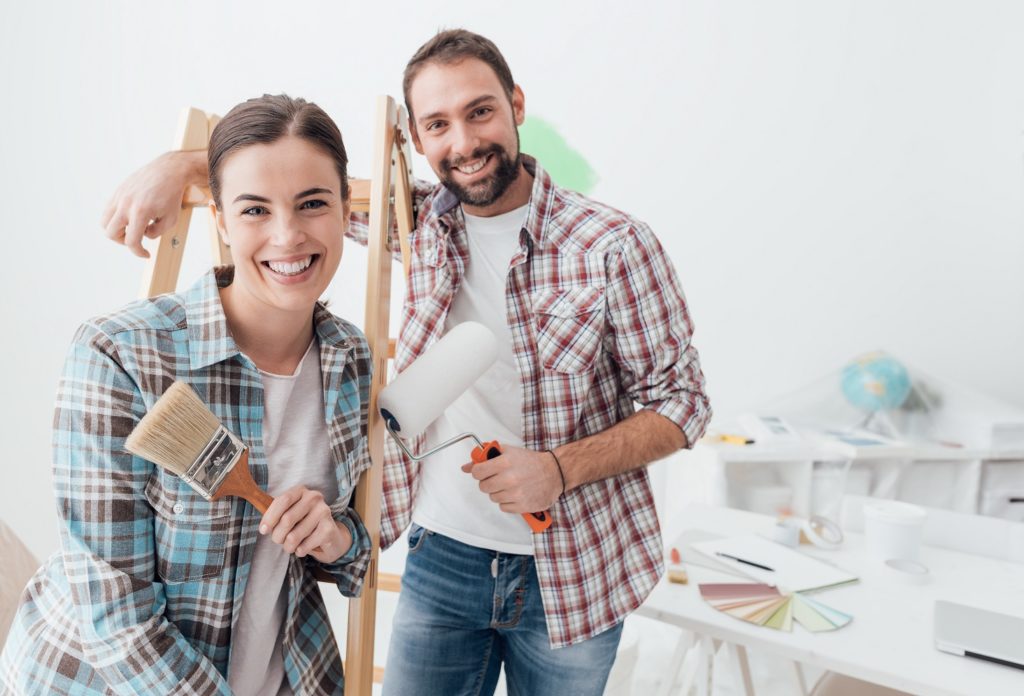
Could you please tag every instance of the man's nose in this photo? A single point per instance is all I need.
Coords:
(465, 140)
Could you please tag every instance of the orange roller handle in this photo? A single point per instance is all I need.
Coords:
(538, 521)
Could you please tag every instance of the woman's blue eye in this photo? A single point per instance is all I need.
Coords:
(255, 210)
(313, 204)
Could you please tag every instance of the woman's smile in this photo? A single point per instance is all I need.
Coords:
(292, 270)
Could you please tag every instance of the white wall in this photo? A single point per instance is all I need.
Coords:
(829, 177)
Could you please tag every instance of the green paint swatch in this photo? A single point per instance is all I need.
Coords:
(566, 166)
(809, 618)
(782, 619)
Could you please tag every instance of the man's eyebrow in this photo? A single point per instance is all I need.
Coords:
(468, 107)
(261, 199)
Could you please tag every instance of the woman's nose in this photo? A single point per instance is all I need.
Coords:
(288, 231)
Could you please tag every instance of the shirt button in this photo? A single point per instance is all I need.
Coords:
(178, 508)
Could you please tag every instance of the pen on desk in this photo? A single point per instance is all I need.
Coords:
(740, 560)
(733, 439)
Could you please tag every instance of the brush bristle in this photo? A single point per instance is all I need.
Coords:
(175, 431)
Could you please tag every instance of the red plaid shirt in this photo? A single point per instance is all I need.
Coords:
(598, 323)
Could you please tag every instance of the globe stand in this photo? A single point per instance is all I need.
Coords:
(881, 422)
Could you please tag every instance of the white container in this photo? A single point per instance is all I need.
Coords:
(892, 530)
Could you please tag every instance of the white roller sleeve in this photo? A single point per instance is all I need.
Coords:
(434, 380)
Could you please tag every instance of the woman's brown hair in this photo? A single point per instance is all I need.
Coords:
(267, 119)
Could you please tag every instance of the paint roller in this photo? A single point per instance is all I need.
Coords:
(417, 396)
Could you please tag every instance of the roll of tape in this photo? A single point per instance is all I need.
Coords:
(823, 532)
(910, 572)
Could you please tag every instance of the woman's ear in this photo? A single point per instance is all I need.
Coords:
(218, 218)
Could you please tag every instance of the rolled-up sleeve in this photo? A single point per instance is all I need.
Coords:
(652, 334)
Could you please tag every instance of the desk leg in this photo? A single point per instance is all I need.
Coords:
(681, 663)
(741, 669)
(705, 666)
(800, 679)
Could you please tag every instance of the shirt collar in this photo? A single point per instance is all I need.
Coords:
(328, 330)
(210, 340)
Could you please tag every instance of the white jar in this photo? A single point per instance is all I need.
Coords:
(893, 529)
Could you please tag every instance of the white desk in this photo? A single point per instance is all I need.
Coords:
(889, 641)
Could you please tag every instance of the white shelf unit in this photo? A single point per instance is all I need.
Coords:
(807, 478)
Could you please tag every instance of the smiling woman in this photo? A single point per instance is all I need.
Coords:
(281, 210)
(155, 585)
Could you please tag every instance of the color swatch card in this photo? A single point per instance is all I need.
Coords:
(765, 605)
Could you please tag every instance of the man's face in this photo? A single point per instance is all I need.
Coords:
(465, 125)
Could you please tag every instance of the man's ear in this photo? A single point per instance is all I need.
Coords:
(518, 105)
(218, 217)
(415, 136)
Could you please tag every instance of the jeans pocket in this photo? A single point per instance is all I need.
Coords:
(417, 536)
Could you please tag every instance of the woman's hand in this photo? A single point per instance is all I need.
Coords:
(301, 522)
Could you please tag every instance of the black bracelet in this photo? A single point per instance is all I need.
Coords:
(561, 473)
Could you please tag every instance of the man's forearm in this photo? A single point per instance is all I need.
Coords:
(633, 443)
(192, 165)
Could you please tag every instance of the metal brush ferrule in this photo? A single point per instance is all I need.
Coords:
(214, 463)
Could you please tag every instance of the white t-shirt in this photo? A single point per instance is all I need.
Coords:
(449, 500)
(297, 454)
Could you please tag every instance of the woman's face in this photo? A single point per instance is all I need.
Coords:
(283, 216)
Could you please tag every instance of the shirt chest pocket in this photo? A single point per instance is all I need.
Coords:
(191, 533)
(570, 327)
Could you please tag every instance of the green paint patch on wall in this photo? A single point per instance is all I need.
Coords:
(566, 166)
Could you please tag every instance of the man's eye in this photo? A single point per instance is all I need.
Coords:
(434, 125)
(482, 111)
(312, 205)
(255, 210)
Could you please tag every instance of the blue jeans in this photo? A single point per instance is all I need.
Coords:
(456, 623)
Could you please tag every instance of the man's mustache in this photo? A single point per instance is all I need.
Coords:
(478, 153)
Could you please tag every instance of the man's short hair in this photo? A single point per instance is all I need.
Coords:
(453, 46)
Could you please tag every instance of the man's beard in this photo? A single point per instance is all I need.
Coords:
(490, 189)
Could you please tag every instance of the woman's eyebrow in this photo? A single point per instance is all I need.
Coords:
(310, 192)
(262, 199)
(250, 197)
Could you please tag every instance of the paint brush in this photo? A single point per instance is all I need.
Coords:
(181, 434)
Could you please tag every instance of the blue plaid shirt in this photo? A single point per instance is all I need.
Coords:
(143, 594)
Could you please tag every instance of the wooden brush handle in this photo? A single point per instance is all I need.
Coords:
(239, 482)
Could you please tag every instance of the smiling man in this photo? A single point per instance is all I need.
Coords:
(591, 322)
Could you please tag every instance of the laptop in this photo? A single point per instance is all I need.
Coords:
(980, 633)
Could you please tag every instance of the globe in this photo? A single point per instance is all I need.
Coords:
(875, 382)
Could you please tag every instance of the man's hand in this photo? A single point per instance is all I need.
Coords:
(149, 201)
(520, 480)
(301, 522)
